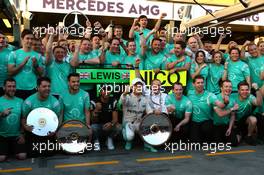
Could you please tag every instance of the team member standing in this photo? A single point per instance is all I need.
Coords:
(25, 66)
(76, 102)
(11, 136)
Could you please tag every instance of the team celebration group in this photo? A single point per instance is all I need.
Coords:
(221, 102)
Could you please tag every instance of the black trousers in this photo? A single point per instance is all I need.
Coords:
(40, 146)
(183, 134)
(260, 126)
(220, 135)
(201, 131)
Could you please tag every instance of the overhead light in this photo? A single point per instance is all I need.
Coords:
(7, 23)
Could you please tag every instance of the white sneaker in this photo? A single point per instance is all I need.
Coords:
(97, 146)
(109, 143)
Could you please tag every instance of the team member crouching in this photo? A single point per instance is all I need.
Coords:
(135, 105)
(105, 118)
(180, 107)
(42, 98)
(10, 131)
(246, 122)
(224, 119)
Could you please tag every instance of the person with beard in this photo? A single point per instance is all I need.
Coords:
(105, 118)
(11, 133)
(57, 68)
(153, 58)
(25, 66)
(203, 103)
(178, 61)
(76, 102)
(246, 120)
(4, 54)
(224, 119)
(42, 98)
(113, 58)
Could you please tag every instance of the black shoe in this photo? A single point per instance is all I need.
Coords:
(250, 140)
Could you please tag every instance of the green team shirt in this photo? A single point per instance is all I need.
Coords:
(111, 57)
(237, 72)
(122, 51)
(88, 56)
(4, 54)
(245, 106)
(10, 125)
(225, 119)
(181, 106)
(131, 59)
(204, 73)
(97, 52)
(153, 61)
(255, 65)
(214, 75)
(74, 105)
(32, 102)
(58, 73)
(26, 79)
(174, 58)
(137, 39)
(202, 105)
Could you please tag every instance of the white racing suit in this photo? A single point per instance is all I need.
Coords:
(133, 110)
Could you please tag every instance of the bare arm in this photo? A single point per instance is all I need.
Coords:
(87, 117)
(217, 47)
(224, 77)
(75, 60)
(131, 31)
(243, 50)
(49, 53)
(157, 25)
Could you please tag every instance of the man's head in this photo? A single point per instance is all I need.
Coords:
(178, 89)
(9, 87)
(163, 42)
(208, 46)
(37, 45)
(178, 37)
(137, 85)
(105, 91)
(114, 45)
(59, 53)
(156, 45)
(162, 32)
(118, 31)
(2, 40)
(85, 45)
(226, 87)
(234, 54)
(198, 83)
(26, 38)
(253, 50)
(72, 46)
(43, 86)
(96, 41)
(143, 21)
(232, 44)
(261, 47)
(243, 89)
(74, 81)
(156, 86)
(131, 46)
(179, 48)
(193, 44)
